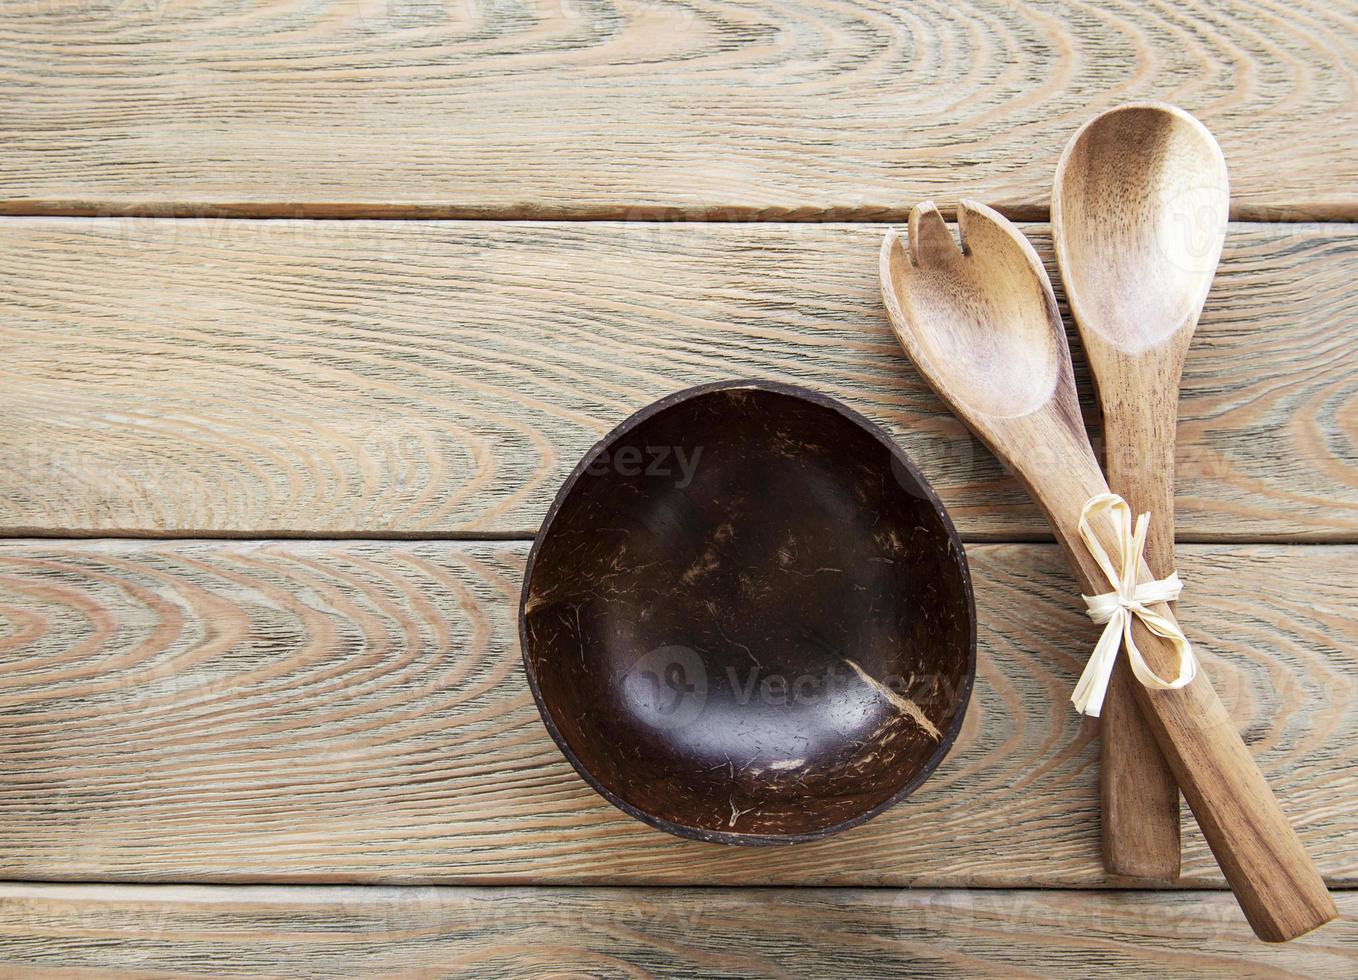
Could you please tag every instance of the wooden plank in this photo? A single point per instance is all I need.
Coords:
(343, 931)
(249, 378)
(768, 109)
(356, 711)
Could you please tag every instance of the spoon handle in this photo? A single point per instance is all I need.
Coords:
(1140, 798)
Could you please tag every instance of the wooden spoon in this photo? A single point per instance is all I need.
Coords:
(982, 325)
(1139, 212)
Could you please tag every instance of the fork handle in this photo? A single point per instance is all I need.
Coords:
(1275, 881)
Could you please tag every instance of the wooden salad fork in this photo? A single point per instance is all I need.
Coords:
(982, 325)
(1139, 212)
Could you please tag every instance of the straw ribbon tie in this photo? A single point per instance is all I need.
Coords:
(1128, 599)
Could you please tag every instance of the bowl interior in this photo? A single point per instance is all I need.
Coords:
(748, 619)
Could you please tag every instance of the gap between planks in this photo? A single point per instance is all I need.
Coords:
(528, 536)
(1281, 213)
(1130, 886)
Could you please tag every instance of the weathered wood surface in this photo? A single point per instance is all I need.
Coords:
(356, 711)
(142, 930)
(323, 711)
(252, 378)
(503, 108)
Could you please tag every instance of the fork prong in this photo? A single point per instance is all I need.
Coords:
(976, 220)
(969, 211)
(984, 228)
(930, 238)
(895, 256)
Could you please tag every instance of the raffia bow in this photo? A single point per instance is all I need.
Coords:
(1128, 599)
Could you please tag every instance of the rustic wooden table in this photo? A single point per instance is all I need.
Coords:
(267, 485)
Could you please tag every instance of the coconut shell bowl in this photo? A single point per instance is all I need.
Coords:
(748, 619)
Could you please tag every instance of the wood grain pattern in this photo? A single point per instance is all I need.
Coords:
(248, 378)
(810, 109)
(356, 711)
(633, 932)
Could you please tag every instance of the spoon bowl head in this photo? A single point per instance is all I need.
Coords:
(1139, 212)
(980, 322)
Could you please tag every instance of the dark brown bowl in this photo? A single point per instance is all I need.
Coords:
(747, 618)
